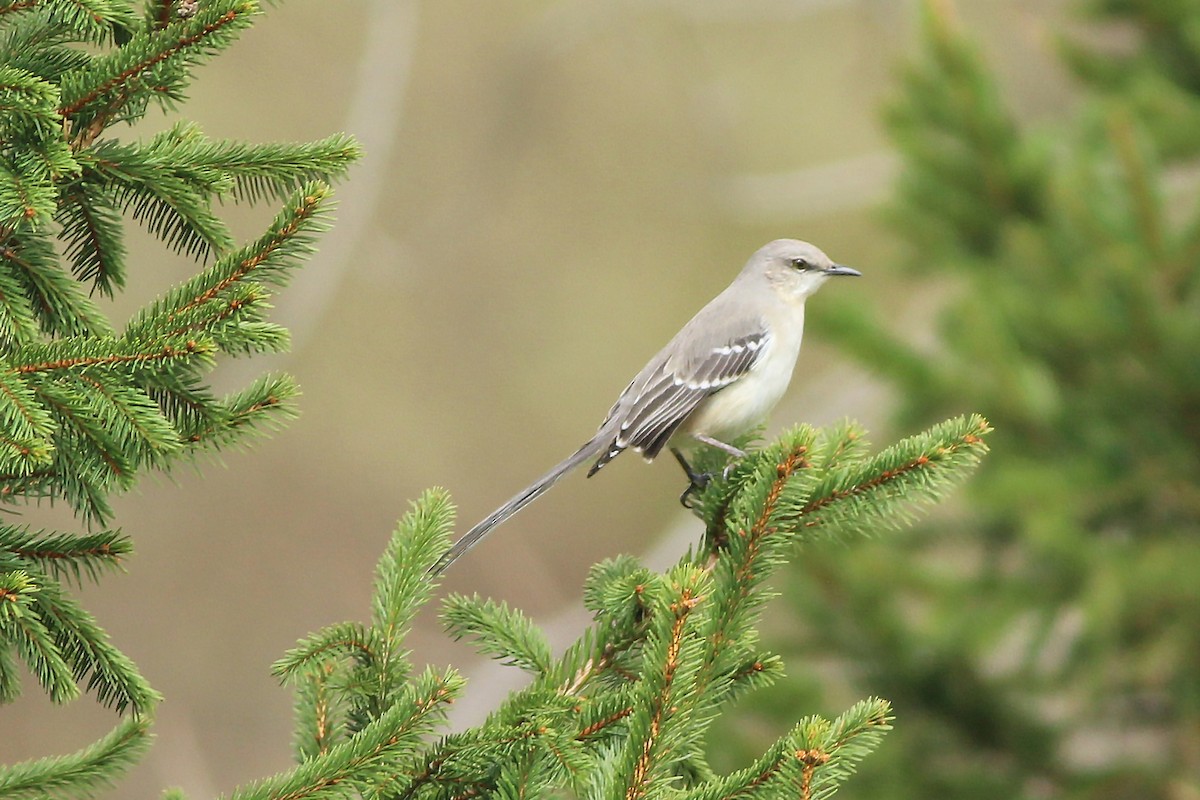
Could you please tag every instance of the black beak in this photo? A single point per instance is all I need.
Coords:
(841, 269)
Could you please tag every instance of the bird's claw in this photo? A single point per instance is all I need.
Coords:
(696, 483)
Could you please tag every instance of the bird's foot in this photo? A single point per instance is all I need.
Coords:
(737, 453)
(696, 480)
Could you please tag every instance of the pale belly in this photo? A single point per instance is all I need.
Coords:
(746, 403)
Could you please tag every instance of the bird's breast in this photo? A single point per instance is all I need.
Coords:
(746, 403)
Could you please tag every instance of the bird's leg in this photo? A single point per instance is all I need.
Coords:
(696, 480)
(717, 443)
(728, 448)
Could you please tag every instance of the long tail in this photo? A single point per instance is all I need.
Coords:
(519, 501)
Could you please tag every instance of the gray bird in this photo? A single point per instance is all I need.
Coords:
(716, 379)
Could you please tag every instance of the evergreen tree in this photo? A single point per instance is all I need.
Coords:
(87, 405)
(1048, 643)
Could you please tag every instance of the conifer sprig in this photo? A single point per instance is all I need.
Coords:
(94, 21)
(501, 632)
(139, 390)
(82, 774)
(59, 642)
(369, 662)
(374, 755)
(63, 555)
(59, 306)
(82, 646)
(151, 65)
(1072, 320)
(811, 761)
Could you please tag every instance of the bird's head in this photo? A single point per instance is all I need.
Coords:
(795, 269)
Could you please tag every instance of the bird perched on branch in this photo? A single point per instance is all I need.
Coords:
(716, 379)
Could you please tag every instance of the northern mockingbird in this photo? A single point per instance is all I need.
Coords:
(718, 378)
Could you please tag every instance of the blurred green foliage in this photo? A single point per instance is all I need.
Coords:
(1045, 642)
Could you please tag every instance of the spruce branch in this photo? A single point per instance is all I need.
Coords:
(26, 443)
(34, 44)
(94, 21)
(26, 101)
(624, 711)
(267, 261)
(152, 184)
(1095, 393)
(143, 407)
(401, 587)
(810, 761)
(972, 171)
(84, 648)
(27, 193)
(10, 677)
(658, 726)
(16, 594)
(60, 308)
(500, 632)
(18, 324)
(373, 755)
(261, 407)
(83, 410)
(856, 498)
(25, 631)
(528, 725)
(318, 710)
(349, 676)
(64, 555)
(273, 170)
(93, 238)
(151, 65)
(314, 653)
(96, 354)
(82, 774)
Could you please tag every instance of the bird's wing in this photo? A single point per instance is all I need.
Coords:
(654, 405)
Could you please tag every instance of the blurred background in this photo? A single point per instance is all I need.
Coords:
(551, 188)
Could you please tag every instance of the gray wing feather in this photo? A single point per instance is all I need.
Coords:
(660, 400)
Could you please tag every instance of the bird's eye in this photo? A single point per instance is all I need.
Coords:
(801, 264)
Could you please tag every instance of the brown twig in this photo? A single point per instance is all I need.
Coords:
(811, 759)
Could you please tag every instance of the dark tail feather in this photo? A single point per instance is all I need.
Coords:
(519, 501)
